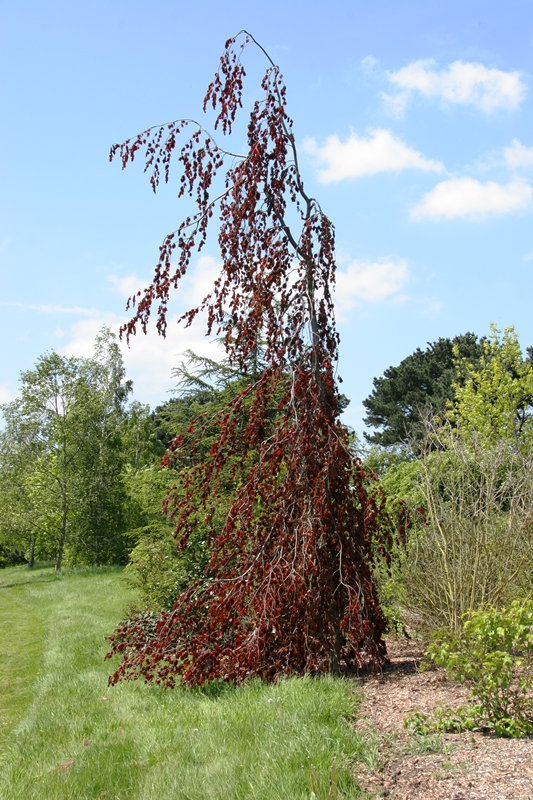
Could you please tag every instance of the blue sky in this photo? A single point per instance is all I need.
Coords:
(415, 127)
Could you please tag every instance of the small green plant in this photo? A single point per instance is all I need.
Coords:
(493, 654)
(443, 720)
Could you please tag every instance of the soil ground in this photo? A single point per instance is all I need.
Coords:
(465, 766)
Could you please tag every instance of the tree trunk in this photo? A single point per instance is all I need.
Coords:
(31, 559)
(62, 539)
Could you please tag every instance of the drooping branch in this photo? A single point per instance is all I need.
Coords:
(288, 587)
(253, 214)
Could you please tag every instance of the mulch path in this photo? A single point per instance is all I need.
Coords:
(466, 766)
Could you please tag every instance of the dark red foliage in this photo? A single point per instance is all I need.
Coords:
(289, 587)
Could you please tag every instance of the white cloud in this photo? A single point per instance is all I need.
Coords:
(49, 308)
(395, 104)
(80, 337)
(463, 82)
(467, 197)
(127, 285)
(369, 63)
(518, 155)
(196, 284)
(149, 359)
(369, 281)
(199, 282)
(5, 395)
(380, 152)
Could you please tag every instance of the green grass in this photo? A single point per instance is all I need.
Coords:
(65, 734)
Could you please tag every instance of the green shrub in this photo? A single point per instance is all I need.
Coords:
(493, 654)
(156, 571)
(474, 544)
(11, 557)
(160, 571)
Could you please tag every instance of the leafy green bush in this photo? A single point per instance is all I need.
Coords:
(156, 571)
(11, 557)
(493, 654)
(386, 574)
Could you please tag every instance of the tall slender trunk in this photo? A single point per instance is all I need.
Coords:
(98, 524)
(62, 538)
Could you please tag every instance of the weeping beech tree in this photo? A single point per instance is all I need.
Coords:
(288, 586)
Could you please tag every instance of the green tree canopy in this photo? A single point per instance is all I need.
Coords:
(494, 399)
(101, 413)
(61, 457)
(421, 384)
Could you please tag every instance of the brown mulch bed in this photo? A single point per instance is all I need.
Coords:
(466, 766)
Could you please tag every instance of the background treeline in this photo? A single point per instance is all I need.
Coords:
(82, 480)
(70, 445)
(85, 473)
(451, 450)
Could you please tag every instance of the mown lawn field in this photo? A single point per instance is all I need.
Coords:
(65, 734)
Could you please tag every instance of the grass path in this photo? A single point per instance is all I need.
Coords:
(66, 735)
(22, 635)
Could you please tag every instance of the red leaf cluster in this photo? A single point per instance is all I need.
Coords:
(289, 587)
